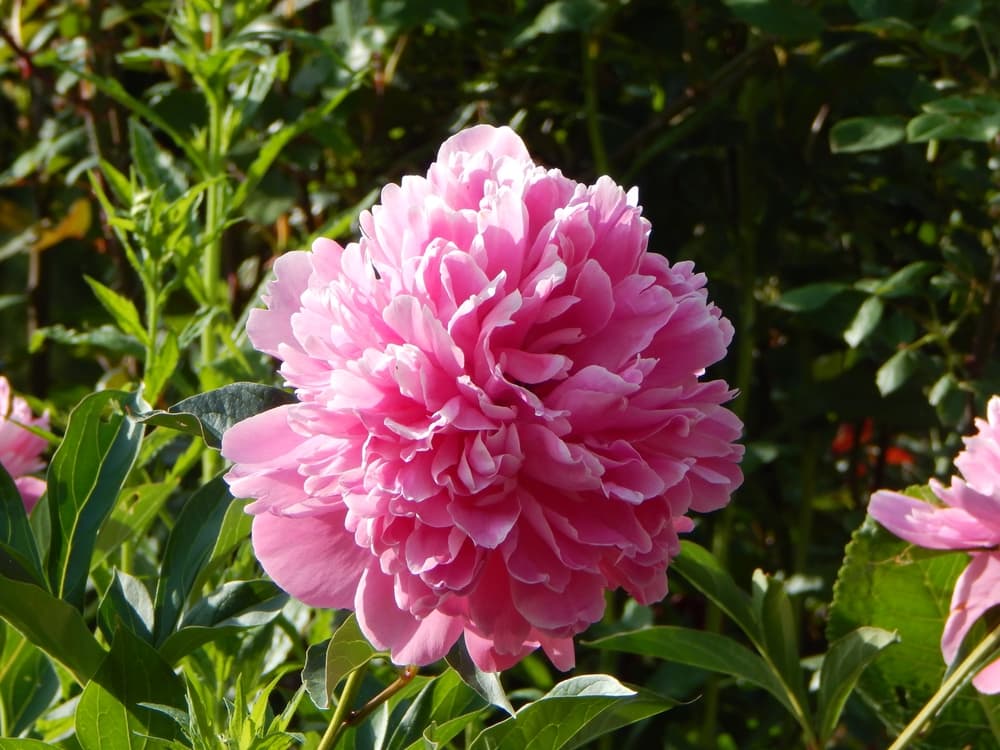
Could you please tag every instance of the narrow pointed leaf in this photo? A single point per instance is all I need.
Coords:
(188, 550)
(703, 571)
(84, 478)
(16, 538)
(121, 309)
(842, 667)
(702, 649)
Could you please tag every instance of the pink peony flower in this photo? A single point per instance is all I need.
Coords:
(969, 520)
(20, 450)
(499, 411)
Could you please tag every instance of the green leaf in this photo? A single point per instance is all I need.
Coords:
(235, 606)
(234, 531)
(865, 321)
(84, 478)
(781, 18)
(52, 625)
(121, 309)
(866, 134)
(187, 551)
(562, 15)
(16, 538)
(702, 649)
(155, 165)
(896, 371)
(907, 280)
(487, 684)
(166, 355)
(940, 126)
(250, 94)
(28, 684)
(120, 185)
(704, 572)
(109, 714)
(810, 297)
(443, 698)
(781, 647)
(106, 337)
(314, 674)
(890, 584)
(208, 415)
(843, 665)
(127, 603)
(329, 662)
(347, 650)
(572, 714)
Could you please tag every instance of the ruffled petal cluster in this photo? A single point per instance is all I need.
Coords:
(968, 519)
(20, 450)
(499, 411)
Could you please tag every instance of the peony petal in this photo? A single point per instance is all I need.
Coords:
(31, 489)
(495, 141)
(988, 679)
(927, 526)
(313, 558)
(976, 591)
(409, 640)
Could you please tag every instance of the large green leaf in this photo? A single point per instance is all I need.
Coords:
(188, 550)
(86, 474)
(702, 649)
(109, 715)
(208, 415)
(52, 625)
(890, 584)
(572, 714)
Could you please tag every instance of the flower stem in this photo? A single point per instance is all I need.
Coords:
(591, 50)
(343, 710)
(975, 661)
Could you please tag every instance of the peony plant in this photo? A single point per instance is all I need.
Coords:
(500, 411)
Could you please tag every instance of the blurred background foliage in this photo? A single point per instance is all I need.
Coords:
(830, 165)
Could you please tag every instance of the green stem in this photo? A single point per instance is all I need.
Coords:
(981, 654)
(215, 211)
(342, 712)
(591, 49)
